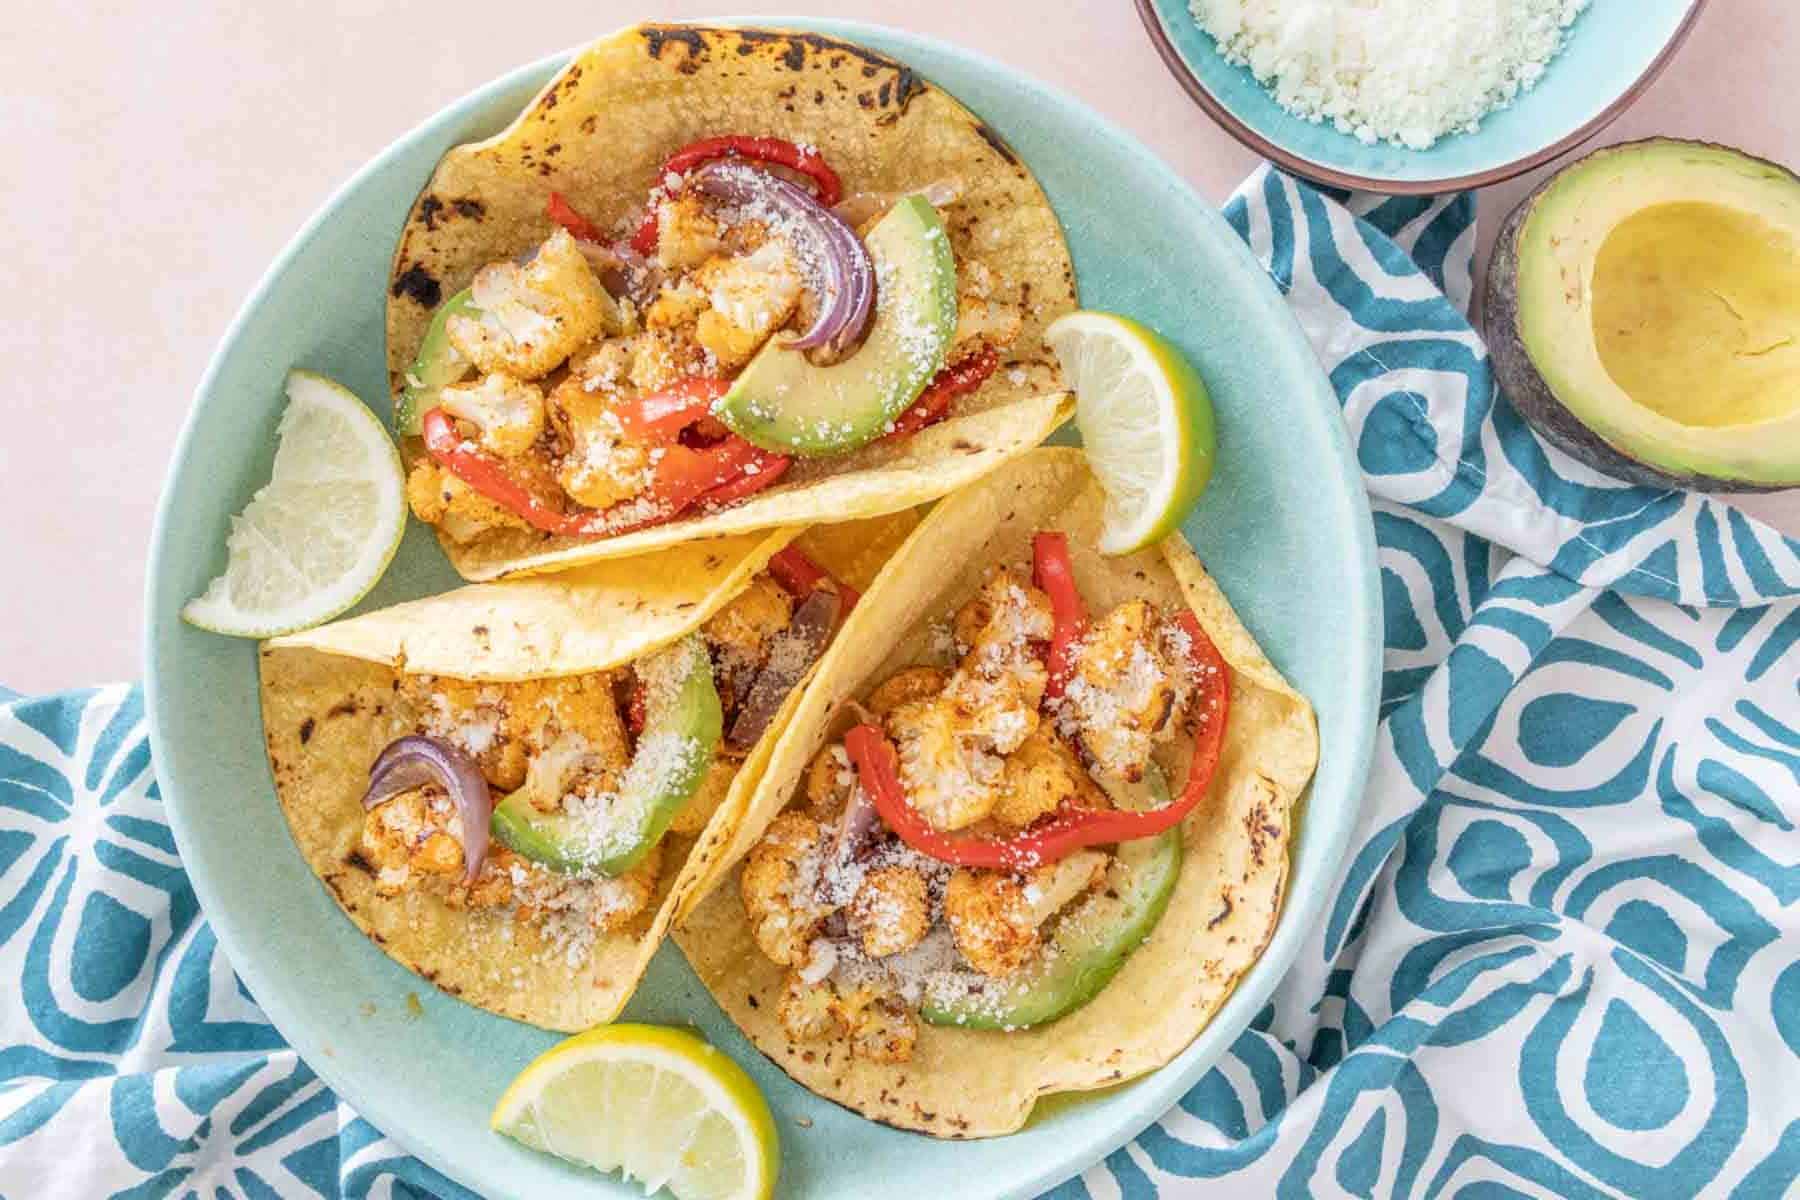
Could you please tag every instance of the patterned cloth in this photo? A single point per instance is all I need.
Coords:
(1561, 960)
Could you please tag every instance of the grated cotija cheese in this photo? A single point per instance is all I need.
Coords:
(1407, 71)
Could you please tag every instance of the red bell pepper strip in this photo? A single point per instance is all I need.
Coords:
(579, 227)
(682, 478)
(483, 472)
(1052, 571)
(1071, 829)
(796, 572)
(660, 416)
(958, 379)
(828, 189)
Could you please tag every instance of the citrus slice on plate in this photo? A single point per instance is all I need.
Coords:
(318, 535)
(659, 1105)
(1146, 424)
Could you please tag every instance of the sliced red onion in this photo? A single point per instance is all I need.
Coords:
(858, 821)
(414, 761)
(791, 654)
(844, 277)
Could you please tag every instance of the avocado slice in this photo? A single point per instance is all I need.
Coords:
(682, 725)
(1090, 943)
(437, 365)
(1643, 313)
(782, 402)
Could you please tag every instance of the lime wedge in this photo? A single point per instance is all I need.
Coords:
(659, 1105)
(318, 535)
(1146, 424)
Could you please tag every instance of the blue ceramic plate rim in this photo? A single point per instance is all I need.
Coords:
(1178, 50)
(1327, 823)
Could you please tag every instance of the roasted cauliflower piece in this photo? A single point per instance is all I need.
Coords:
(686, 233)
(504, 725)
(882, 1028)
(1127, 685)
(905, 687)
(779, 886)
(534, 316)
(751, 295)
(439, 498)
(507, 412)
(829, 779)
(741, 632)
(706, 800)
(995, 918)
(891, 911)
(600, 467)
(1042, 775)
(810, 1012)
(616, 903)
(952, 746)
(417, 835)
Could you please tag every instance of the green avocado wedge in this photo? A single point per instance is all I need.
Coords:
(1086, 949)
(437, 365)
(782, 402)
(682, 725)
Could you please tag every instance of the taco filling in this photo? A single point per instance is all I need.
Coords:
(993, 838)
(746, 317)
(547, 800)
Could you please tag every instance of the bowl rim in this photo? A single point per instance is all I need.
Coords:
(1299, 164)
(1156, 1091)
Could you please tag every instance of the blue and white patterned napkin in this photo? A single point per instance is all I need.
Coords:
(1563, 959)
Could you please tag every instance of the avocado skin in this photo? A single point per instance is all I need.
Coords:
(1520, 380)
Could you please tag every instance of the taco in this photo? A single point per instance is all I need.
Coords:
(1026, 829)
(599, 730)
(712, 281)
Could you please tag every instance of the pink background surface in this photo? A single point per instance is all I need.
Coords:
(156, 161)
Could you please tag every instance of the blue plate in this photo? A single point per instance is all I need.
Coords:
(1613, 52)
(1285, 526)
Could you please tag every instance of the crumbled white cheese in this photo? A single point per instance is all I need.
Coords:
(1404, 71)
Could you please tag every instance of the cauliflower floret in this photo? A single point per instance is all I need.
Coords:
(603, 366)
(984, 323)
(714, 787)
(995, 917)
(752, 295)
(754, 616)
(416, 837)
(890, 911)
(686, 233)
(906, 687)
(615, 903)
(880, 1027)
(665, 357)
(532, 317)
(1042, 775)
(508, 411)
(600, 467)
(678, 304)
(829, 780)
(779, 886)
(439, 498)
(504, 725)
(952, 746)
(809, 1012)
(1127, 686)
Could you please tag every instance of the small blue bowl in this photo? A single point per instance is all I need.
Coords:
(1284, 526)
(1613, 52)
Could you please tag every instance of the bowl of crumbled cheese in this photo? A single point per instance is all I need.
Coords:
(1415, 96)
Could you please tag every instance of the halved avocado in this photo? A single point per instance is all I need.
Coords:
(1643, 313)
(782, 402)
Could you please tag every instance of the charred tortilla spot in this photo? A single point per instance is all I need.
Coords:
(886, 93)
(657, 36)
(996, 141)
(306, 730)
(1224, 909)
(342, 708)
(864, 100)
(355, 859)
(474, 210)
(429, 208)
(418, 284)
